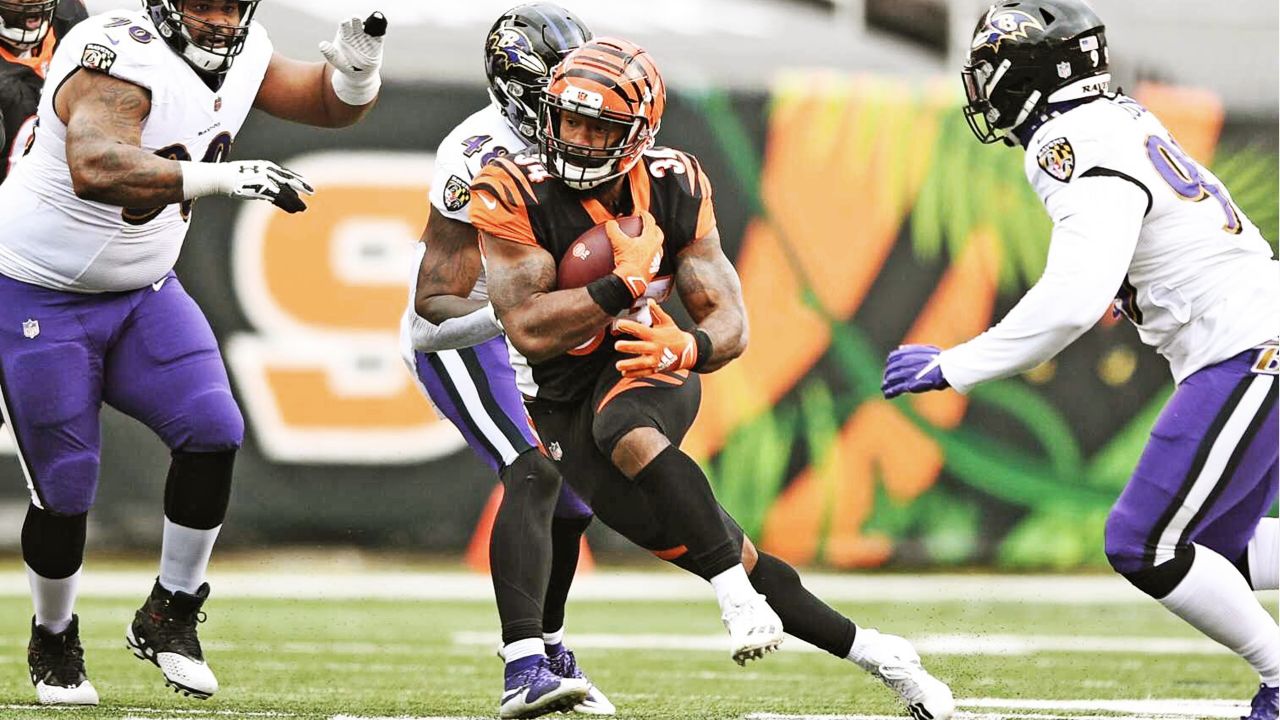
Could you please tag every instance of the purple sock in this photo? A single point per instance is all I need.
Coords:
(515, 667)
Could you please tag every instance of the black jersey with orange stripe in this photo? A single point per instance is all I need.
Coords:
(21, 80)
(521, 202)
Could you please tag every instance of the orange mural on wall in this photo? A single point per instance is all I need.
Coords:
(836, 193)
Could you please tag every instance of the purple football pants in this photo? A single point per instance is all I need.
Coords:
(475, 388)
(1208, 473)
(149, 353)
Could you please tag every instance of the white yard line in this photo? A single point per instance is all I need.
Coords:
(317, 582)
(926, 644)
(1026, 709)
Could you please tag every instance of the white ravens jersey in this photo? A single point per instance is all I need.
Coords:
(480, 138)
(1202, 285)
(66, 243)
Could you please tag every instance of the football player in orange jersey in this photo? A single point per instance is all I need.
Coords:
(29, 33)
(613, 410)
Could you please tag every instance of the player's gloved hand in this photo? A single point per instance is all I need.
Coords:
(913, 368)
(660, 347)
(356, 56)
(636, 259)
(249, 179)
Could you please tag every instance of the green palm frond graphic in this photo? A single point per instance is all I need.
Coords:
(1252, 178)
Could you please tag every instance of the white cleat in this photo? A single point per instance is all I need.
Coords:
(754, 629)
(893, 660)
(82, 694)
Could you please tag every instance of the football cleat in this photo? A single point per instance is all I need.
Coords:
(754, 629)
(1265, 705)
(537, 690)
(894, 662)
(56, 662)
(164, 632)
(565, 665)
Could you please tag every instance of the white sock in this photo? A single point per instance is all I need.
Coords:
(54, 600)
(733, 587)
(523, 649)
(553, 638)
(1216, 600)
(184, 556)
(1264, 555)
(862, 639)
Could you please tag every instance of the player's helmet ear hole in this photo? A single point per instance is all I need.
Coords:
(1048, 16)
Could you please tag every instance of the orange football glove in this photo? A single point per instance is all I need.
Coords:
(636, 259)
(664, 346)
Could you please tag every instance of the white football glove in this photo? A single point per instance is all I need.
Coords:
(356, 56)
(248, 179)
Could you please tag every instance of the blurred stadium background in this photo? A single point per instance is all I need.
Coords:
(860, 214)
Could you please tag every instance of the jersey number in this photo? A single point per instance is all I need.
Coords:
(1183, 175)
(218, 149)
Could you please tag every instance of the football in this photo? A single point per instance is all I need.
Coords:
(591, 255)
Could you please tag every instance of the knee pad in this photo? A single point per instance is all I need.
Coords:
(198, 489)
(212, 422)
(69, 485)
(1125, 543)
(1160, 580)
(533, 475)
(53, 543)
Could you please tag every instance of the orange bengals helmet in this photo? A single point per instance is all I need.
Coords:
(616, 82)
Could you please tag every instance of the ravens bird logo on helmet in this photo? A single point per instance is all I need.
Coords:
(1002, 24)
(511, 49)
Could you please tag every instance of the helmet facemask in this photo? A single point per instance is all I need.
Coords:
(991, 121)
(584, 166)
(24, 25)
(208, 46)
(611, 84)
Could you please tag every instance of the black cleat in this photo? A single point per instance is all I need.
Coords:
(56, 662)
(164, 632)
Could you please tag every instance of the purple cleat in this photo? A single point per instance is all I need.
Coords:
(565, 665)
(1265, 705)
(532, 690)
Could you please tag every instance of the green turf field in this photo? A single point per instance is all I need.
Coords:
(312, 659)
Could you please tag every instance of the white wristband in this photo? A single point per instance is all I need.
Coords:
(201, 179)
(355, 92)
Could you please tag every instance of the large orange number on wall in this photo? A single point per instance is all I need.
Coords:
(321, 376)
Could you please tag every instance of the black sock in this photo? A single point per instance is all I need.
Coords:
(53, 545)
(803, 615)
(681, 492)
(566, 540)
(520, 546)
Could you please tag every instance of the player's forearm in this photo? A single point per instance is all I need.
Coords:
(727, 330)
(338, 113)
(1088, 258)
(440, 308)
(125, 175)
(454, 333)
(550, 324)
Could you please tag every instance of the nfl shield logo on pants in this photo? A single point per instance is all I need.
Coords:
(31, 328)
